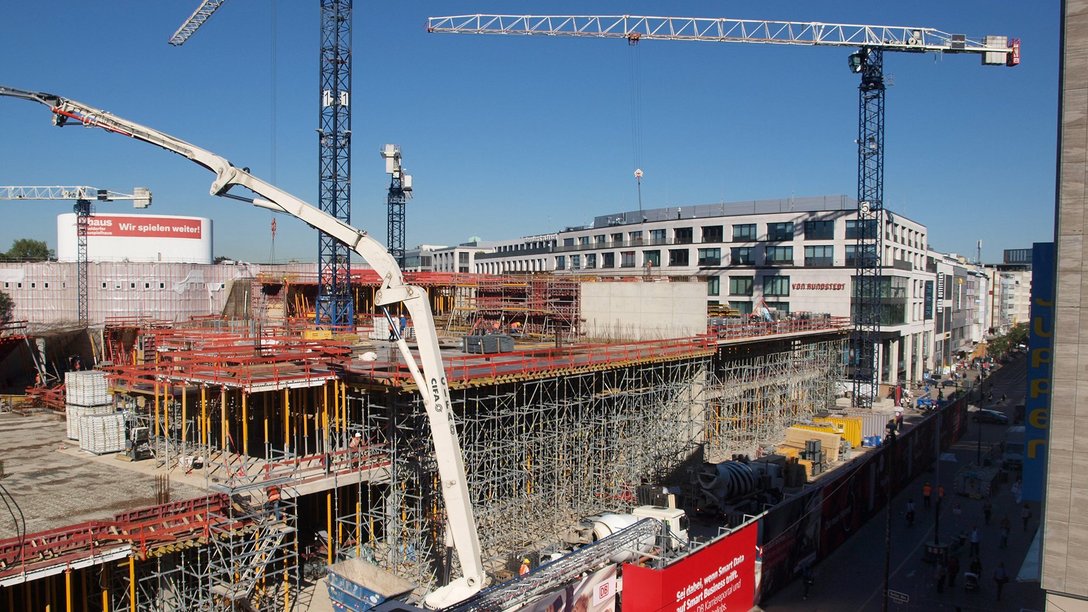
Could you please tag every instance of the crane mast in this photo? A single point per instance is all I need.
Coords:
(871, 41)
(84, 198)
(428, 372)
(334, 306)
(400, 189)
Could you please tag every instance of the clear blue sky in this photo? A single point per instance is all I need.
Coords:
(509, 136)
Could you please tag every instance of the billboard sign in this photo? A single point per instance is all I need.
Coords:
(594, 593)
(720, 576)
(143, 227)
(1040, 373)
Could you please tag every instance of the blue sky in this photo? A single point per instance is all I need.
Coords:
(509, 136)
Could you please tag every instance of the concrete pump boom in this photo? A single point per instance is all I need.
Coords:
(431, 380)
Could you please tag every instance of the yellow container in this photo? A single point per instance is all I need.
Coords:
(850, 428)
(317, 334)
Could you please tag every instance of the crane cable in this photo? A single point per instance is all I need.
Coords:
(636, 111)
(272, 126)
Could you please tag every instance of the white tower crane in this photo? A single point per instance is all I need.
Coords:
(84, 198)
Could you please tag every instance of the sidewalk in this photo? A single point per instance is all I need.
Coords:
(852, 577)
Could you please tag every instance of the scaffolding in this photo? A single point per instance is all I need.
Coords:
(753, 398)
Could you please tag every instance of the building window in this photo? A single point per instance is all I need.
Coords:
(744, 308)
(741, 256)
(713, 285)
(776, 286)
(583, 241)
(819, 230)
(591, 261)
(608, 260)
(713, 233)
(560, 262)
(823, 255)
(683, 235)
(744, 232)
(783, 307)
(617, 238)
(600, 239)
(636, 238)
(651, 258)
(856, 228)
(678, 257)
(740, 285)
(568, 242)
(780, 231)
(710, 257)
(779, 255)
(575, 262)
(869, 250)
(657, 236)
(462, 258)
(627, 259)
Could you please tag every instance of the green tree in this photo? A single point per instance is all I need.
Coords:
(25, 249)
(7, 307)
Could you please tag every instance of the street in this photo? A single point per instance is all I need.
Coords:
(852, 578)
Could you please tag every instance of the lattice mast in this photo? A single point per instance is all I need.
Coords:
(400, 190)
(871, 42)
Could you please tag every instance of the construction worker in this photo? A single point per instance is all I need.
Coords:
(927, 492)
(273, 494)
(524, 569)
(355, 447)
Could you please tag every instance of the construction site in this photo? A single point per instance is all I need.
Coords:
(560, 428)
(358, 437)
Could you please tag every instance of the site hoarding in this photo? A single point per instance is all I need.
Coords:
(718, 577)
(594, 593)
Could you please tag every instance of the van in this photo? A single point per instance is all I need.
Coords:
(1012, 457)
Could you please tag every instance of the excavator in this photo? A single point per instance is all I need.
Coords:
(428, 373)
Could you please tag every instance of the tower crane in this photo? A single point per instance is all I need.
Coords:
(334, 305)
(84, 198)
(869, 41)
(400, 189)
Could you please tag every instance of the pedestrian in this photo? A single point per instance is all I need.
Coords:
(1025, 514)
(1005, 533)
(957, 512)
(976, 567)
(807, 578)
(898, 421)
(910, 512)
(1004, 397)
(991, 396)
(953, 570)
(987, 511)
(941, 575)
(975, 538)
(403, 326)
(927, 491)
(1000, 578)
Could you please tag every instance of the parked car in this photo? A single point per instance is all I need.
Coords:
(986, 415)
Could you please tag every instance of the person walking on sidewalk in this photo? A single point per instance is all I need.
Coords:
(941, 575)
(1004, 532)
(953, 570)
(1025, 514)
(975, 538)
(927, 492)
(1000, 578)
(987, 510)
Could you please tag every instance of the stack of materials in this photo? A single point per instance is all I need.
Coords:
(102, 434)
(85, 394)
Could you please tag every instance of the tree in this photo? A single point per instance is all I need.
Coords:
(7, 308)
(25, 249)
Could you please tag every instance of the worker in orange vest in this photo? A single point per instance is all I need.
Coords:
(927, 491)
(273, 494)
(524, 569)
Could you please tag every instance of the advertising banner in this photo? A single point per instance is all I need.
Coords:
(1040, 358)
(789, 536)
(719, 577)
(594, 593)
(142, 227)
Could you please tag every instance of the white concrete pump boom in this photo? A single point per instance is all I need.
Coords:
(431, 381)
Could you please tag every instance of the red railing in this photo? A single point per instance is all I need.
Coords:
(759, 328)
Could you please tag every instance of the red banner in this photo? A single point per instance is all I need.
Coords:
(142, 227)
(719, 577)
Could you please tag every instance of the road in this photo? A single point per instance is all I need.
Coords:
(851, 579)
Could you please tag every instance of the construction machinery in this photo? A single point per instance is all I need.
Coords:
(84, 198)
(400, 189)
(428, 372)
(870, 42)
(334, 306)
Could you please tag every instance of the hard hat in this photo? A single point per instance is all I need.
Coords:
(358, 435)
(525, 560)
